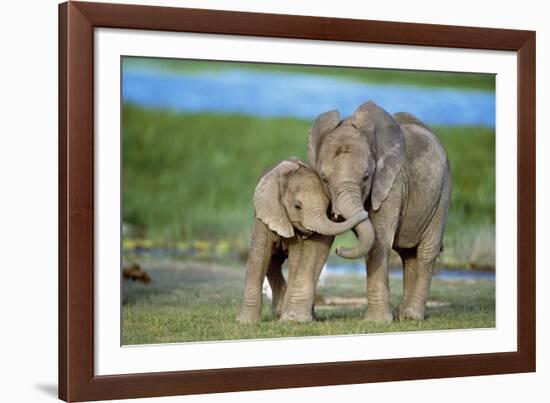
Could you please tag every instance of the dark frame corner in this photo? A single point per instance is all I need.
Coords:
(77, 21)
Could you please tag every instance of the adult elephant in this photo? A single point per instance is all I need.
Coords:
(395, 168)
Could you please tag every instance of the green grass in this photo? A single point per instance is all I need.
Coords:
(381, 76)
(470, 230)
(192, 177)
(189, 301)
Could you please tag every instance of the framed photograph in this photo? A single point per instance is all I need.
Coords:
(256, 201)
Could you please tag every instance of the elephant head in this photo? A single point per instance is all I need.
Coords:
(290, 196)
(355, 158)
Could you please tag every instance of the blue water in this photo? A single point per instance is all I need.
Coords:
(304, 96)
(441, 274)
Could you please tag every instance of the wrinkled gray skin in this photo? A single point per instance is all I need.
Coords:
(396, 169)
(291, 221)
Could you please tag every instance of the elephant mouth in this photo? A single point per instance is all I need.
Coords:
(303, 231)
(305, 234)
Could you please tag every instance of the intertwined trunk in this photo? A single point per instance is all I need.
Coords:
(350, 203)
(319, 222)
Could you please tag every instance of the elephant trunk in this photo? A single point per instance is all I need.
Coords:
(321, 224)
(350, 204)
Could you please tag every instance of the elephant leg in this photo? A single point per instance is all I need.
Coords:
(319, 268)
(324, 244)
(293, 262)
(408, 257)
(415, 306)
(259, 259)
(378, 292)
(427, 252)
(306, 260)
(277, 283)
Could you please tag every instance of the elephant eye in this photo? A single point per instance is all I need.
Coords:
(297, 206)
(365, 176)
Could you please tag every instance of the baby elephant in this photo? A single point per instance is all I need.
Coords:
(291, 222)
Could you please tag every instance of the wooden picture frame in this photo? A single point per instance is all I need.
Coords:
(77, 21)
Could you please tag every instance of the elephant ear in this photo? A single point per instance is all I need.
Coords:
(389, 148)
(324, 124)
(267, 199)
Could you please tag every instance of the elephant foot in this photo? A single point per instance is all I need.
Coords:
(277, 309)
(297, 315)
(379, 315)
(412, 313)
(247, 315)
(401, 308)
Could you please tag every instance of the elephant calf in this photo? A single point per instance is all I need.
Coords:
(291, 222)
